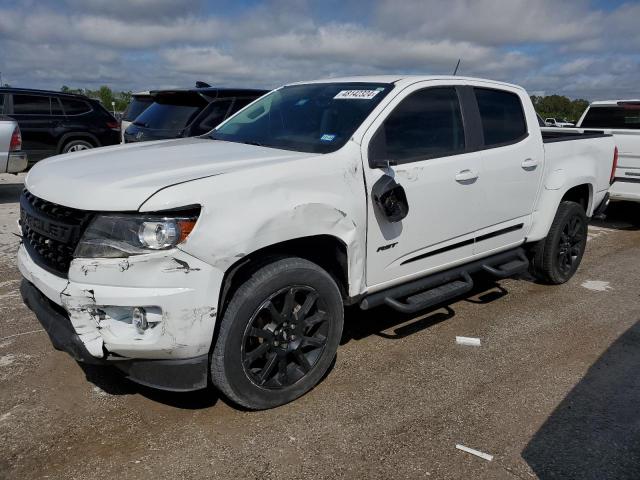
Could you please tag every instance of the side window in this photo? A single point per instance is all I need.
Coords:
(213, 115)
(426, 124)
(502, 116)
(75, 107)
(240, 103)
(56, 108)
(2, 102)
(31, 105)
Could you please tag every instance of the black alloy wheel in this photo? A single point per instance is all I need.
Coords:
(285, 337)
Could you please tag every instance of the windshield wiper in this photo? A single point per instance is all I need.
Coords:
(246, 142)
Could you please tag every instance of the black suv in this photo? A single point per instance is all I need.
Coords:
(55, 122)
(187, 112)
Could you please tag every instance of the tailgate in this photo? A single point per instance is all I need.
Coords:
(628, 143)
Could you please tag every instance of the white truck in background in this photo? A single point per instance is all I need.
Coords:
(552, 122)
(12, 158)
(228, 258)
(620, 118)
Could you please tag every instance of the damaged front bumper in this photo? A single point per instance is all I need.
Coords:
(86, 314)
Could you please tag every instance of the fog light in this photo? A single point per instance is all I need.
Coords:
(139, 319)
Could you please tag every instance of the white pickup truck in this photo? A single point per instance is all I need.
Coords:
(228, 258)
(620, 118)
(12, 158)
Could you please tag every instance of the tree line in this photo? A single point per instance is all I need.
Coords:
(559, 107)
(105, 95)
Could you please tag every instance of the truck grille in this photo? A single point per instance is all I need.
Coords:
(50, 232)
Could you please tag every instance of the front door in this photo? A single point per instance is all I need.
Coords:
(421, 137)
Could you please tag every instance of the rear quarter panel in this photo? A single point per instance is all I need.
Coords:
(6, 131)
(567, 165)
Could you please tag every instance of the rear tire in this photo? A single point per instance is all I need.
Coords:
(278, 335)
(557, 257)
(77, 146)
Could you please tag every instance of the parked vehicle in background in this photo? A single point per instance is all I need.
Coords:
(229, 257)
(139, 103)
(55, 122)
(187, 112)
(12, 158)
(552, 122)
(620, 118)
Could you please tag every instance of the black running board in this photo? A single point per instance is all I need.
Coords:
(444, 286)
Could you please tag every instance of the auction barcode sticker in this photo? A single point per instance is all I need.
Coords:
(357, 94)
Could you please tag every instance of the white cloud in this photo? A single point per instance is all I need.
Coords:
(565, 47)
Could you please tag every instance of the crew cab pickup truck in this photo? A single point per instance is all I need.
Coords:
(620, 118)
(12, 158)
(228, 258)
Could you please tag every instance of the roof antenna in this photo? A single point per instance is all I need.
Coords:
(456, 69)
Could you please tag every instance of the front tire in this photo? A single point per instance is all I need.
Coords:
(278, 335)
(557, 257)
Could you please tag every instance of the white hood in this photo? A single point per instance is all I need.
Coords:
(122, 177)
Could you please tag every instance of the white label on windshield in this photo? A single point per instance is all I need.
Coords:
(357, 94)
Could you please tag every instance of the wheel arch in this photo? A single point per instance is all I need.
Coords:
(67, 137)
(327, 251)
(580, 191)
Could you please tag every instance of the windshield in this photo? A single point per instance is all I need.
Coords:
(136, 107)
(314, 118)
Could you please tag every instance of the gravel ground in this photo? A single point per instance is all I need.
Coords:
(553, 392)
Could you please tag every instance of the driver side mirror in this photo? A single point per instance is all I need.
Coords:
(390, 198)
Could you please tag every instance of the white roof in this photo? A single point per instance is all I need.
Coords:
(402, 79)
(613, 102)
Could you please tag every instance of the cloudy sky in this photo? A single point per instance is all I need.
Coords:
(579, 48)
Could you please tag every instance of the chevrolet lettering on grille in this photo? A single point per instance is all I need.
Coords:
(55, 231)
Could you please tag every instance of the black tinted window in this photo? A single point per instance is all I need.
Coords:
(136, 107)
(56, 108)
(502, 116)
(167, 116)
(212, 116)
(426, 124)
(626, 116)
(2, 102)
(31, 105)
(75, 107)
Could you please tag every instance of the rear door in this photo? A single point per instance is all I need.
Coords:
(421, 133)
(33, 114)
(512, 162)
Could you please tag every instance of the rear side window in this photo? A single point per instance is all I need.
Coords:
(167, 116)
(502, 116)
(624, 116)
(426, 124)
(56, 108)
(212, 116)
(31, 105)
(136, 107)
(73, 106)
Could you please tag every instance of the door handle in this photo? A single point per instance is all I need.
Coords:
(466, 176)
(530, 164)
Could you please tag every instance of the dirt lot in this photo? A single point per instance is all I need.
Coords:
(553, 392)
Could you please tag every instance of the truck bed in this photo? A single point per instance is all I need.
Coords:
(550, 135)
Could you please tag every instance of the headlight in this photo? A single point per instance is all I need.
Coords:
(121, 235)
